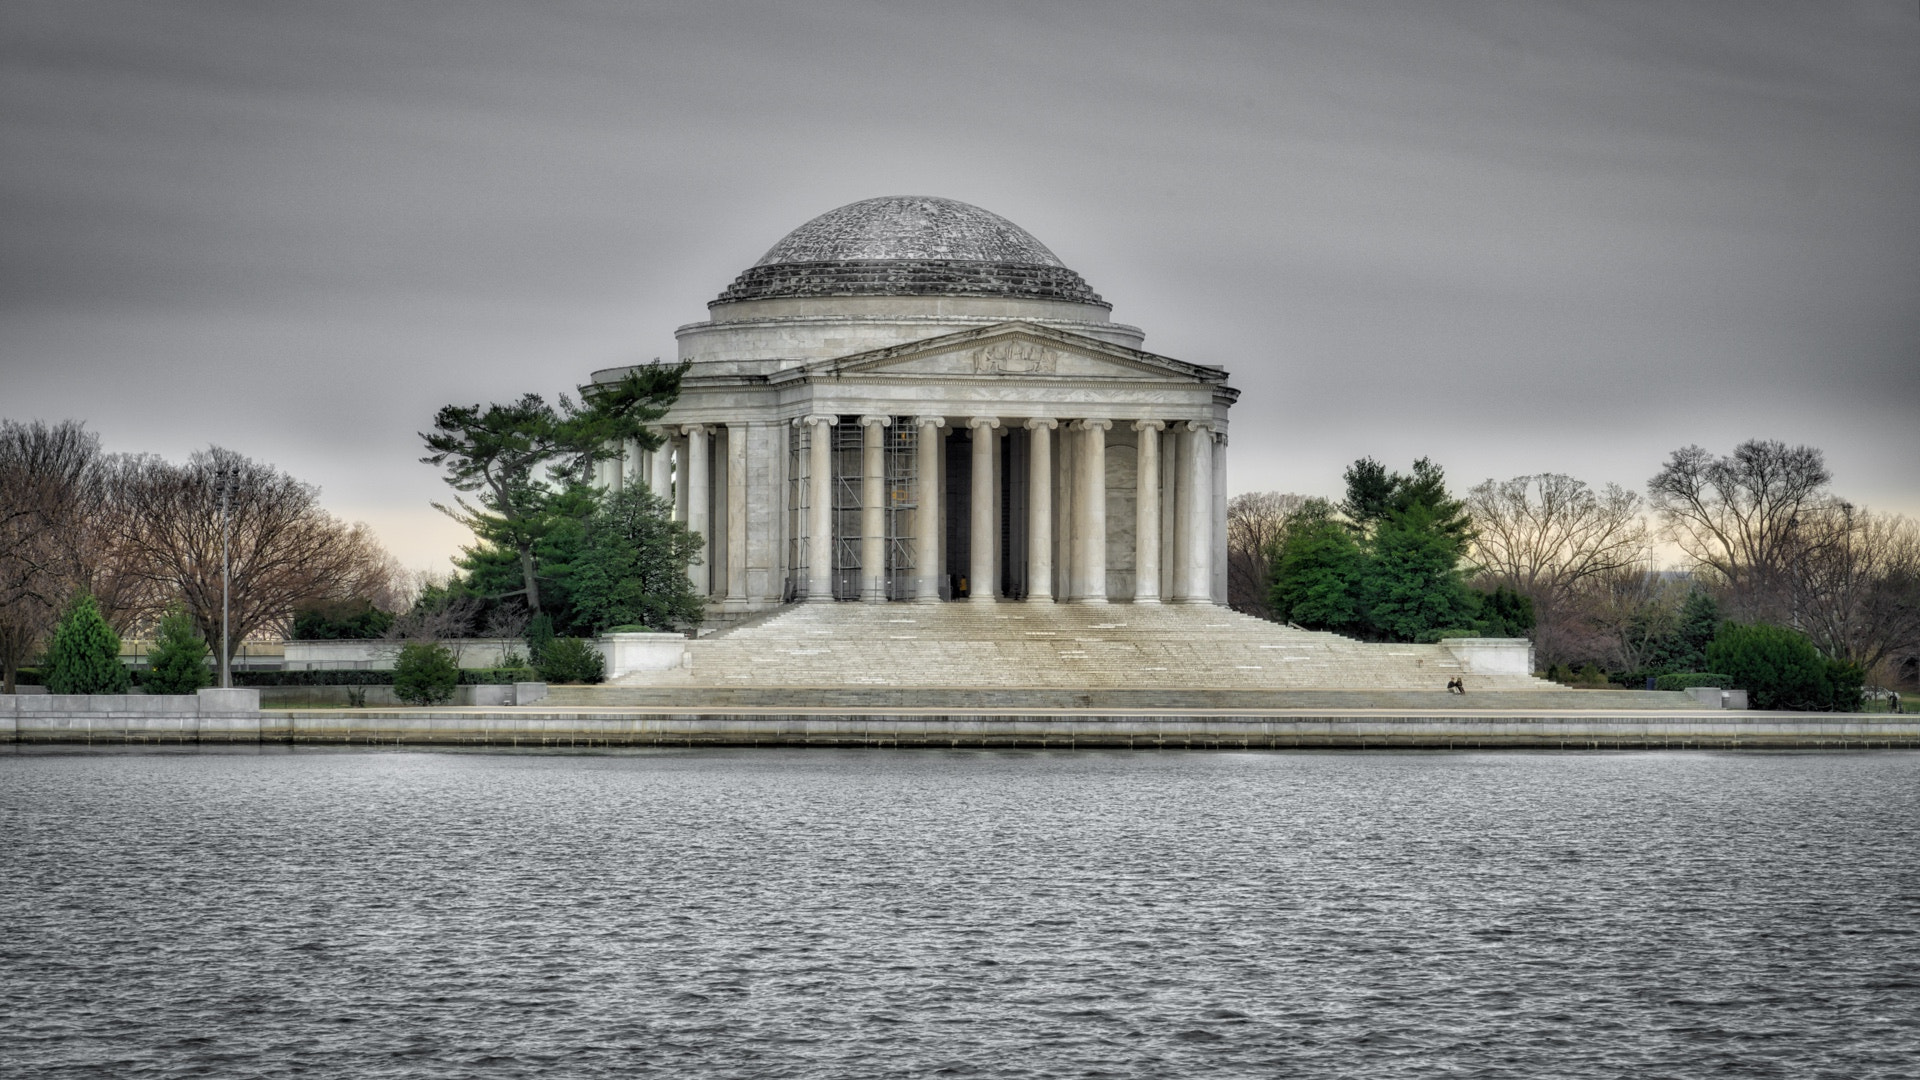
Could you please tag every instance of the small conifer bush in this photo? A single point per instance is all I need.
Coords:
(84, 656)
(178, 664)
(425, 674)
(571, 660)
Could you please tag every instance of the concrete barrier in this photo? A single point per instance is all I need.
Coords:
(1713, 697)
(1492, 656)
(627, 654)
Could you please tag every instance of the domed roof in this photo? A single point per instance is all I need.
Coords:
(909, 227)
(910, 245)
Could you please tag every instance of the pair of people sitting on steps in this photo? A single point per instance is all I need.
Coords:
(1456, 685)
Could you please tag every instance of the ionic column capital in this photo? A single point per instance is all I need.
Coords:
(696, 429)
(1094, 424)
(1199, 425)
(1219, 437)
(872, 419)
(1149, 425)
(816, 419)
(978, 422)
(930, 421)
(1039, 422)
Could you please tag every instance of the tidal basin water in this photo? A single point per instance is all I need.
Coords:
(793, 913)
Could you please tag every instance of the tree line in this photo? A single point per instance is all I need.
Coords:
(131, 537)
(1763, 541)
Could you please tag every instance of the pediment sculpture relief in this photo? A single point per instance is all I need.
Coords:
(1014, 358)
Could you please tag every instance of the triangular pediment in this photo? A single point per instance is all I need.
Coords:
(1011, 350)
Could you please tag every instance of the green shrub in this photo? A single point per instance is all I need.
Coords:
(539, 635)
(1780, 669)
(571, 660)
(1694, 678)
(331, 620)
(84, 656)
(1432, 637)
(178, 663)
(425, 674)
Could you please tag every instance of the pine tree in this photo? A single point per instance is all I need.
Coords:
(178, 664)
(1413, 586)
(84, 656)
(1316, 571)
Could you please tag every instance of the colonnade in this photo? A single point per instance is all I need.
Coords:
(1178, 501)
(1085, 518)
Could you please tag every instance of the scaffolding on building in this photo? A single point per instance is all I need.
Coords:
(799, 492)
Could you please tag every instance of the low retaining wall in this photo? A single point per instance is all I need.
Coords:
(212, 715)
(1380, 729)
(379, 655)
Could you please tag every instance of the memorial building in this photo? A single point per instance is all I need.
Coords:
(912, 400)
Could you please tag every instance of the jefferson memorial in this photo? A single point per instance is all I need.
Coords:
(913, 400)
(912, 406)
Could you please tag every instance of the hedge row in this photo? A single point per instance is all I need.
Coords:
(1693, 678)
(362, 677)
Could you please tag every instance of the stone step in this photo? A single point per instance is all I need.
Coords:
(1057, 647)
(817, 698)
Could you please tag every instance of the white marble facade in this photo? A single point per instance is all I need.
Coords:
(911, 399)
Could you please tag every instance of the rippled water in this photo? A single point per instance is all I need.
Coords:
(874, 913)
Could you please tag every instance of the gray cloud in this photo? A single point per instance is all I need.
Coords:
(1515, 236)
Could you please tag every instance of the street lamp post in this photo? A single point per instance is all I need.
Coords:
(224, 474)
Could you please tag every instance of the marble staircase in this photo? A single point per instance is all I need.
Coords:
(1017, 655)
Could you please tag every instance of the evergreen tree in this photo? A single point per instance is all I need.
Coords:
(425, 674)
(1370, 490)
(1317, 566)
(539, 636)
(1700, 620)
(1780, 669)
(1504, 612)
(632, 569)
(1413, 586)
(84, 656)
(178, 664)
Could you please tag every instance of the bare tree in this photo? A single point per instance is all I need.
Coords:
(1739, 517)
(1545, 536)
(284, 549)
(1855, 586)
(1626, 615)
(1254, 522)
(58, 536)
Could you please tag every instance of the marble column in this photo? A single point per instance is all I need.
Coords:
(820, 506)
(926, 515)
(873, 508)
(980, 570)
(680, 486)
(1040, 509)
(736, 513)
(697, 498)
(1218, 519)
(1146, 519)
(662, 478)
(1090, 524)
(1193, 533)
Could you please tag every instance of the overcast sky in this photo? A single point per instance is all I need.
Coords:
(1517, 236)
